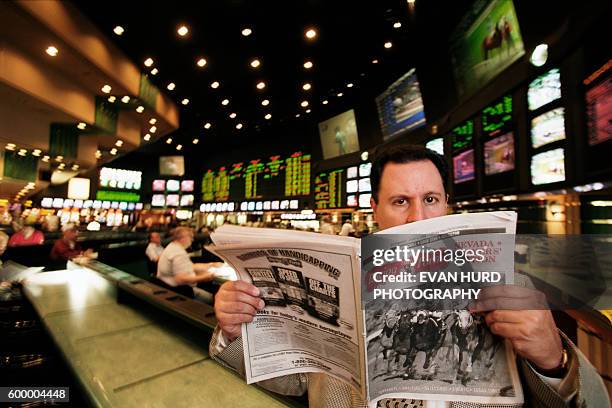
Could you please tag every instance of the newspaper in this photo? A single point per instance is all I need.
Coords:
(315, 321)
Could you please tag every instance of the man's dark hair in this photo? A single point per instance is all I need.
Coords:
(402, 154)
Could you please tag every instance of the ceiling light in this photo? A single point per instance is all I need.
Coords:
(255, 63)
(411, 1)
(297, 115)
(201, 62)
(140, 109)
(118, 30)
(225, 102)
(152, 121)
(22, 152)
(339, 95)
(82, 125)
(261, 85)
(179, 146)
(112, 99)
(239, 126)
(215, 85)
(59, 158)
(374, 61)
(113, 151)
(106, 89)
(268, 116)
(265, 102)
(207, 125)
(311, 33)
(36, 152)
(304, 104)
(388, 44)
(154, 71)
(232, 115)
(125, 99)
(539, 55)
(185, 101)
(62, 166)
(153, 129)
(147, 137)
(119, 143)
(308, 111)
(148, 62)
(169, 140)
(52, 51)
(45, 158)
(397, 24)
(10, 146)
(171, 86)
(306, 86)
(349, 85)
(325, 102)
(308, 64)
(75, 167)
(246, 32)
(182, 31)
(195, 141)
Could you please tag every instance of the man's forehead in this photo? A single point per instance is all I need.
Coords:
(412, 177)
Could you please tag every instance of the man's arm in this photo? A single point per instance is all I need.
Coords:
(151, 254)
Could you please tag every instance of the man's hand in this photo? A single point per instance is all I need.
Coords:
(236, 302)
(533, 333)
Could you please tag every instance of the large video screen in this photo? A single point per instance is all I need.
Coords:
(486, 42)
(599, 111)
(544, 89)
(548, 167)
(499, 154)
(400, 107)
(171, 165)
(437, 145)
(548, 127)
(463, 166)
(339, 135)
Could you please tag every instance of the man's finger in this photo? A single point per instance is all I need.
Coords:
(234, 318)
(242, 286)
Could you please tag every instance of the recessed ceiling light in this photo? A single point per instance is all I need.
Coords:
(308, 64)
(208, 125)
(304, 104)
(261, 85)
(239, 126)
(311, 33)
(185, 101)
(397, 24)
(306, 86)
(349, 85)
(148, 62)
(171, 86)
(112, 99)
(10, 146)
(265, 102)
(52, 51)
(75, 167)
(82, 125)
(268, 116)
(22, 152)
(179, 146)
(255, 63)
(201, 62)
(118, 30)
(153, 129)
(107, 89)
(169, 140)
(225, 102)
(232, 115)
(388, 44)
(140, 109)
(63, 165)
(147, 137)
(154, 71)
(113, 151)
(45, 158)
(308, 111)
(325, 102)
(59, 158)
(36, 152)
(182, 30)
(195, 141)
(119, 143)
(246, 32)
(152, 121)
(297, 115)
(125, 99)
(339, 94)
(215, 85)
(374, 61)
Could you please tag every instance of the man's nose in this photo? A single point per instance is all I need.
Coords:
(416, 213)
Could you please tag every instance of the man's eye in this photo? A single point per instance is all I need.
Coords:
(399, 201)
(431, 200)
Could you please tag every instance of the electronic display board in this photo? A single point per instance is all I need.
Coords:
(599, 111)
(341, 188)
(497, 116)
(462, 135)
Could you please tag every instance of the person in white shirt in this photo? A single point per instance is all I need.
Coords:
(347, 228)
(154, 249)
(326, 226)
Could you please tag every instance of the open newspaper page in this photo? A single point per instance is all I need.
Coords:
(310, 285)
(427, 349)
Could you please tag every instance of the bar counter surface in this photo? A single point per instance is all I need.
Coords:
(127, 357)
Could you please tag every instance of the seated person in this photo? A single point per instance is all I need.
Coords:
(176, 269)
(25, 235)
(66, 248)
(154, 249)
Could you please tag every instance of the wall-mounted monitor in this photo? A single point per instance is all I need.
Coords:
(187, 200)
(158, 200)
(499, 154)
(46, 202)
(544, 89)
(114, 204)
(351, 172)
(159, 185)
(437, 145)
(294, 204)
(599, 111)
(171, 165)
(78, 204)
(139, 206)
(87, 203)
(97, 204)
(547, 128)
(364, 200)
(352, 186)
(187, 186)
(106, 205)
(400, 107)
(131, 206)
(365, 169)
(123, 205)
(172, 200)
(463, 166)
(339, 135)
(351, 200)
(462, 135)
(230, 206)
(284, 205)
(548, 167)
(173, 185)
(68, 203)
(259, 206)
(58, 203)
(497, 117)
(364, 185)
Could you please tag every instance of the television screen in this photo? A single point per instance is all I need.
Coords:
(46, 202)
(158, 200)
(339, 135)
(293, 204)
(544, 89)
(106, 205)
(87, 204)
(437, 145)
(499, 154)
(462, 135)
(213, 207)
(78, 204)
(351, 200)
(266, 205)
(139, 206)
(224, 206)
(115, 204)
(230, 206)
(284, 205)
(172, 200)
(171, 165)
(599, 111)
(131, 206)
(352, 186)
(159, 185)
(497, 116)
(173, 185)
(275, 205)
(187, 200)
(251, 206)
(123, 205)
(365, 169)
(68, 203)
(486, 41)
(400, 107)
(548, 167)
(187, 185)
(58, 203)
(243, 206)
(258, 206)
(364, 185)
(463, 166)
(97, 204)
(351, 172)
(547, 128)
(364, 200)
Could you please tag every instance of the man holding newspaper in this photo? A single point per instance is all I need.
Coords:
(408, 185)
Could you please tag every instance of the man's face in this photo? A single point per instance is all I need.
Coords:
(71, 234)
(409, 192)
(155, 238)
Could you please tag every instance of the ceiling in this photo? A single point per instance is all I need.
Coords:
(350, 35)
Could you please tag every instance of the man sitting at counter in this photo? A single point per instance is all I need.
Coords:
(155, 248)
(67, 248)
(176, 269)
